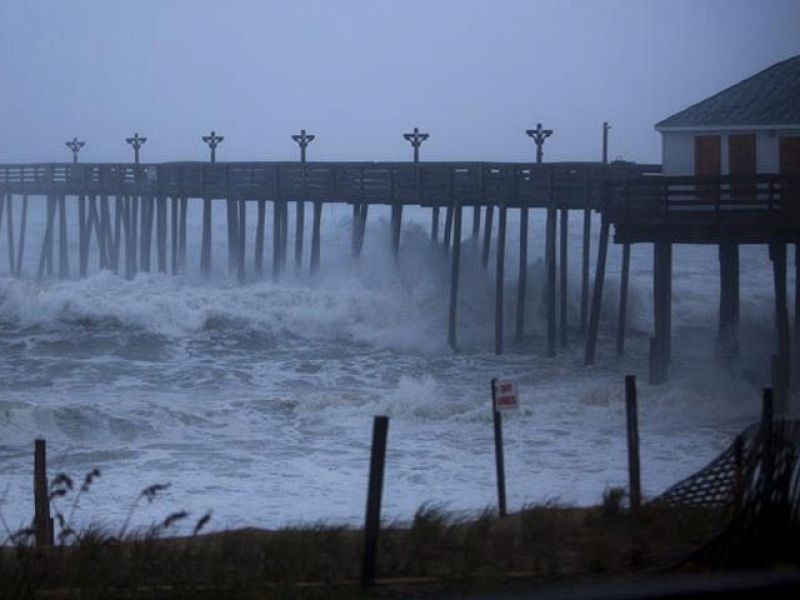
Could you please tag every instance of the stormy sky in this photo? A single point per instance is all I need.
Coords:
(475, 74)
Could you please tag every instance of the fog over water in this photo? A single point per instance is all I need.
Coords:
(256, 400)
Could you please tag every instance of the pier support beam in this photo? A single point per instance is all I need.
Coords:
(232, 214)
(728, 337)
(174, 212)
(205, 245)
(299, 230)
(22, 224)
(161, 233)
(454, 274)
(277, 234)
(499, 279)
(523, 272)
(360, 212)
(563, 265)
(476, 222)
(597, 295)
(241, 240)
(660, 346)
(63, 245)
(315, 236)
(258, 259)
(550, 283)
(146, 232)
(448, 228)
(397, 225)
(487, 235)
(585, 257)
(777, 254)
(623, 298)
(84, 235)
(10, 230)
(435, 224)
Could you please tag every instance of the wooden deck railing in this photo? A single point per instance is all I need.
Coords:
(427, 184)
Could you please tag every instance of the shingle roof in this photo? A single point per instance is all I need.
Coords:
(770, 97)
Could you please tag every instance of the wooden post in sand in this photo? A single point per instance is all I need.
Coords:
(372, 522)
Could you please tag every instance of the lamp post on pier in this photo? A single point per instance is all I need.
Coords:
(136, 142)
(539, 136)
(606, 127)
(213, 140)
(416, 138)
(75, 146)
(303, 139)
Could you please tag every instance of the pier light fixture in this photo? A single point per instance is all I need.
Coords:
(303, 139)
(416, 138)
(136, 142)
(75, 146)
(213, 140)
(539, 135)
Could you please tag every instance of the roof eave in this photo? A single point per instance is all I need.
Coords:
(727, 127)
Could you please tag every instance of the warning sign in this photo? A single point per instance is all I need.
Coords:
(505, 395)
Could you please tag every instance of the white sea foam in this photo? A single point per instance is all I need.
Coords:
(256, 399)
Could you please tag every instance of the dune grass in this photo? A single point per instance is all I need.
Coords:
(437, 551)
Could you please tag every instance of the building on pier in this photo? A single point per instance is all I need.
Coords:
(750, 128)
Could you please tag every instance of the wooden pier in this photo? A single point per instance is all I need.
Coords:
(133, 217)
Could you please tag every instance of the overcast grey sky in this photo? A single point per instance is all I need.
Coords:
(360, 73)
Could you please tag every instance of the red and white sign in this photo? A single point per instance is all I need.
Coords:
(505, 395)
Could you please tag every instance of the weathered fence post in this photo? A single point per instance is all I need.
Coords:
(634, 470)
(372, 521)
(498, 453)
(42, 524)
(623, 298)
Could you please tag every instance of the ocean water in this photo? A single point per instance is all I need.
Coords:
(255, 400)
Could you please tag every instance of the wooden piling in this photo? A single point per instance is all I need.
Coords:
(299, 230)
(476, 222)
(108, 236)
(372, 520)
(435, 224)
(118, 210)
(205, 248)
(284, 233)
(499, 279)
(487, 235)
(550, 283)
(258, 259)
(10, 230)
(454, 274)
(315, 236)
(662, 272)
(397, 225)
(84, 235)
(233, 232)
(184, 206)
(96, 223)
(22, 225)
(563, 265)
(623, 298)
(585, 255)
(523, 272)
(161, 233)
(778, 257)
(63, 246)
(146, 233)
(242, 239)
(728, 297)
(632, 418)
(174, 218)
(42, 523)
(597, 294)
(276, 239)
(448, 228)
(134, 206)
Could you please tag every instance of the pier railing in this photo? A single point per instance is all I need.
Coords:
(700, 209)
(426, 184)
